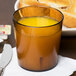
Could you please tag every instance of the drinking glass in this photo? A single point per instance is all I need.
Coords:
(37, 47)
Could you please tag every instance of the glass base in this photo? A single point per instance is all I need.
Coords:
(39, 70)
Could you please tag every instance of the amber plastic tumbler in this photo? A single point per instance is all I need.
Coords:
(37, 47)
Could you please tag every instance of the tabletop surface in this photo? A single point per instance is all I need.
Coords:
(68, 44)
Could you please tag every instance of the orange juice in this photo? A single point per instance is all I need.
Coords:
(37, 21)
(37, 41)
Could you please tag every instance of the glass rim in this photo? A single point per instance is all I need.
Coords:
(38, 16)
